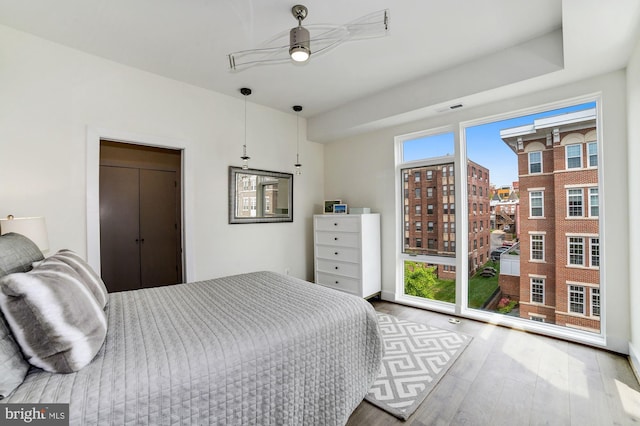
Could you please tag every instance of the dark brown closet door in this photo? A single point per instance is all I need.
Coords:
(119, 224)
(159, 250)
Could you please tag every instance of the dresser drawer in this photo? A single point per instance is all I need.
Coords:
(340, 268)
(343, 224)
(350, 285)
(342, 239)
(345, 254)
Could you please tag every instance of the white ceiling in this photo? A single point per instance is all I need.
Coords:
(440, 50)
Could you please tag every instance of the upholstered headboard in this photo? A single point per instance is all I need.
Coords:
(17, 254)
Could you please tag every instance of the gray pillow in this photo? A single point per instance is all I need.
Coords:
(56, 320)
(17, 253)
(13, 367)
(90, 279)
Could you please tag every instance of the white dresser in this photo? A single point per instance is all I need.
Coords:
(347, 252)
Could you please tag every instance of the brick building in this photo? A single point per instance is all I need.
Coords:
(559, 219)
(429, 212)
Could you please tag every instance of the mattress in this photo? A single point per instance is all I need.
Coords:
(258, 348)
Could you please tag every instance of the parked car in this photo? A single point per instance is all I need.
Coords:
(495, 255)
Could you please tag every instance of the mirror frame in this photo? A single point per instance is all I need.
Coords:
(233, 219)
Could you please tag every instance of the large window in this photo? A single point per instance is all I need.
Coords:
(527, 242)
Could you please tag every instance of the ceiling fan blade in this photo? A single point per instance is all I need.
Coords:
(323, 38)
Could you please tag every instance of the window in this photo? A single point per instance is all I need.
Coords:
(417, 192)
(536, 319)
(536, 204)
(537, 247)
(429, 174)
(595, 252)
(453, 228)
(446, 247)
(574, 156)
(535, 162)
(418, 226)
(574, 199)
(429, 192)
(429, 208)
(480, 191)
(594, 209)
(418, 242)
(474, 190)
(406, 226)
(445, 227)
(429, 226)
(451, 190)
(592, 151)
(431, 243)
(576, 299)
(418, 209)
(595, 302)
(576, 251)
(444, 190)
(481, 207)
(537, 290)
(416, 176)
(452, 208)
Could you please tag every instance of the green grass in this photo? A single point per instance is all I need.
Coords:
(480, 288)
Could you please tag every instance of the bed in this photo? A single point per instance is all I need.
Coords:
(255, 348)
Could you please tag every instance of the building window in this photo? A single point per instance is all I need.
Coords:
(474, 190)
(429, 174)
(452, 208)
(537, 247)
(595, 302)
(418, 242)
(445, 227)
(595, 252)
(452, 191)
(480, 175)
(429, 192)
(574, 156)
(417, 192)
(429, 226)
(576, 251)
(574, 199)
(576, 299)
(536, 204)
(475, 244)
(537, 290)
(536, 319)
(480, 191)
(418, 209)
(446, 248)
(592, 151)
(418, 226)
(416, 176)
(431, 243)
(444, 190)
(406, 226)
(453, 249)
(594, 204)
(453, 229)
(481, 207)
(475, 208)
(429, 208)
(535, 162)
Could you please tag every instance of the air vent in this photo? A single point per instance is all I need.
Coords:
(449, 108)
(455, 106)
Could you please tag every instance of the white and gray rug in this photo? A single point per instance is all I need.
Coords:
(416, 357)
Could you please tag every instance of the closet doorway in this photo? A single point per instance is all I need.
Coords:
(140, 216)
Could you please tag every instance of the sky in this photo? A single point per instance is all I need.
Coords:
(484, 145)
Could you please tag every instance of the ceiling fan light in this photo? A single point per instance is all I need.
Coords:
(299, 44)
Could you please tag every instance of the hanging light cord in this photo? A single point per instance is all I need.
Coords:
(244, 147)
(297, 138)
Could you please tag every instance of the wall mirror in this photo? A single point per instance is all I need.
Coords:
(260, 196)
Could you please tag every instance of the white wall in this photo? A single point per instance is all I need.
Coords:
(50, 95)
(633, 114)
(360, 170)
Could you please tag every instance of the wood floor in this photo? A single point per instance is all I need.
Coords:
(509, 377)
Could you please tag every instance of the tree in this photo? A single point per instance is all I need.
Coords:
(420, 280)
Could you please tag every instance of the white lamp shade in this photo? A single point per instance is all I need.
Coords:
(33, 228)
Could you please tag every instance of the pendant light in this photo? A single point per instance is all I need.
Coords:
(297, 109)
(245, 158)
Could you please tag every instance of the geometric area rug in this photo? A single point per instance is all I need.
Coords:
(416, 357)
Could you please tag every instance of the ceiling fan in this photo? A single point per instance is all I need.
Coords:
(310, 40)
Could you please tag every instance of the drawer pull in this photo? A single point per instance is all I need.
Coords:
(336, 267)
(336, 253)
(337, 282)
(335, 239)
(335, 224)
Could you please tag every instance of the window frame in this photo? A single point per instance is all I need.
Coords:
(532, 249)
(576, 206)
(591, 204)
(591, 155)
(531, 172)
(575, 289)
(567, 158)
(531, 207)
(542, 293)
(570, 245)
